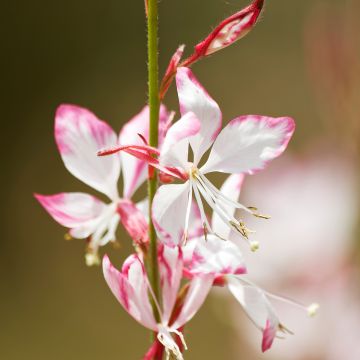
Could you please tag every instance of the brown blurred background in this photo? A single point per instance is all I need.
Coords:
(92, 53)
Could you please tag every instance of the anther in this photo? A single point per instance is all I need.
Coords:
(68, 237)
(255, 213)
(284, 329)
(254, 246)
(313, 309)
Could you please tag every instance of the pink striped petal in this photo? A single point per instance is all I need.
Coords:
(193, 97)
(169, 210)
(231, 189)
(217, 257)
(258, 308)
(71, 209)
(79, 134)
(130, 289)
(133, 221)
(195, 297)
(248, 143)
(171, 270)
(174, 151)
(136, 169)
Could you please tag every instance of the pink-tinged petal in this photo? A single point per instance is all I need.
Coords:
(71, 209)
(174, 151)
(229, 31)
(216, 257)
(258, 308)
(269, 335)
(169, 210)
(248, 143)
(231, 189)
(135, 170)
(133, 221)
(130, 289)
(195, 297)
(170, 267)
(193, 97)
(79, 134)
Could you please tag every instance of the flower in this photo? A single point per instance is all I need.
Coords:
(79, 134)
(131, 288)
(224, 260)
(245, 146)
(323, 187)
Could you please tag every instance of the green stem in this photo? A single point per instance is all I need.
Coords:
(154, 105)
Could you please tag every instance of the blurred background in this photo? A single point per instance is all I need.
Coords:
(302, 60)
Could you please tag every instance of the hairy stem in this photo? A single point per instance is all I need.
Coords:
(154, 105)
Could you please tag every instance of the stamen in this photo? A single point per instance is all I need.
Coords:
(221, 196)
(311, 309)
(201, 208)
(181, 336)
(254, 212)
(284, 329)
(188, 210)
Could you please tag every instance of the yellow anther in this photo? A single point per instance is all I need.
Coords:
(254, 246)
(92, 258)
(313, 309)
(255, 212)
(68, 237)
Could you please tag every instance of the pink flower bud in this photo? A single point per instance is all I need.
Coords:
(228, 31)
(171, 70)
(133, 221)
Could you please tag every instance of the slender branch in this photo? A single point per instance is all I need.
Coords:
(154, 105)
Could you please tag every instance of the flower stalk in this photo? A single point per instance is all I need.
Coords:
(154, 106)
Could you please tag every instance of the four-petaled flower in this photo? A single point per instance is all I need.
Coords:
(244, 146)
(79, 134)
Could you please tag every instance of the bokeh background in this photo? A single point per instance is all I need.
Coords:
(302, 60)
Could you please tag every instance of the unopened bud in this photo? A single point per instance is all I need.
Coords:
(171, 71)
(228, 31)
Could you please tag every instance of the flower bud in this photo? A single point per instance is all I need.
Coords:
(171, 70)
(228, 31)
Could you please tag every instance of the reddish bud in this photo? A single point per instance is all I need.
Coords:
(133, 221)
(228, 31)
(171, 70)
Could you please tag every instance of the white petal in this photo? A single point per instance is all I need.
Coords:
(136, 170)
(193, 97)
(248, 143)
(195, 297)
(254, 302)
(171, 269)
(130, 289)
(72, 209)
(215, 256)
(174, 151)
(231, 189)
(79, 135)
(169, 210)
